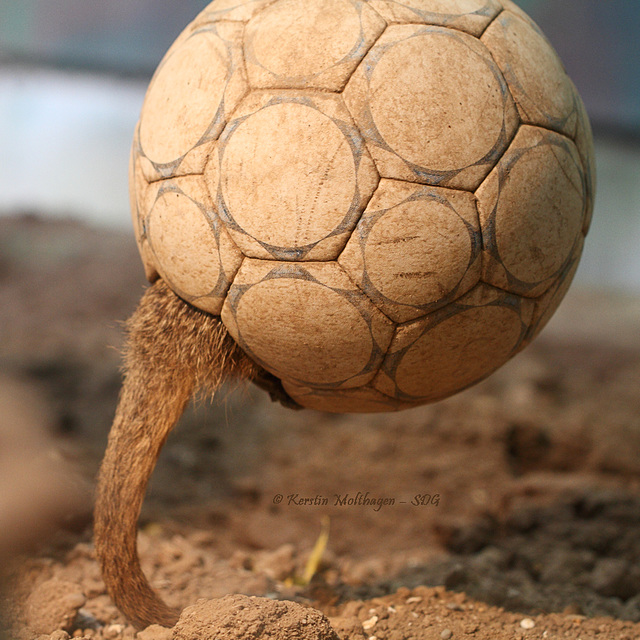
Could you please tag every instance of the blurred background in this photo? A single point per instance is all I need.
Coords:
(73, 75)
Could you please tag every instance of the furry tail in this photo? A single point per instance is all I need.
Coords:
(172, 350)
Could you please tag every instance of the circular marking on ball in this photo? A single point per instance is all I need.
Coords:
(436, 101)
(298, 39)
(303, 330)
(183, 98)
(288, 175)
(539, 213)
(417, 252)
(183, 244)
(459, 351)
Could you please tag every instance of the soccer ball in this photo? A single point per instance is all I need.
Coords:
(383, 200)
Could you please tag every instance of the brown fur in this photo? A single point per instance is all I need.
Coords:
(173, 350)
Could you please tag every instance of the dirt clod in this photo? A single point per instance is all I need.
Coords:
(54, 605)
(251, 618)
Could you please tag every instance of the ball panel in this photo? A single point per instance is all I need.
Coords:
(273, 163)
(190, 249)
(531, 211)
(306, 323)
(548, 303)
(190, 95)
(150, 271)
(513, 8)
(360, 400)
(462, 349)
(455, 347)
(294, 176)
(471, 16)
(415, 248)
(432, 105)
(141, 197)
(136, 185)
(534, 73)
(584, 143)
(295, 43)
(146, 168)
(146, 196)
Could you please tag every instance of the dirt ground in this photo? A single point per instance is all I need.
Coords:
(509, 511)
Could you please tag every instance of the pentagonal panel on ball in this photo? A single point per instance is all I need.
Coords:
(454, 347)
(188, 101)
(535, 75)
(471, 16)
(306, 323)
(415, 248)
(297, 43)
(292, 176)
(532, 210)
(432, 105)
(191, 250)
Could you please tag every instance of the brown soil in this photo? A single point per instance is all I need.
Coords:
(509, 511)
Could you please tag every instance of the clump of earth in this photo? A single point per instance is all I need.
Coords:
(511, 510)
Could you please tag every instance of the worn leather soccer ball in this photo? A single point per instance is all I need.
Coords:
(383, 200)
